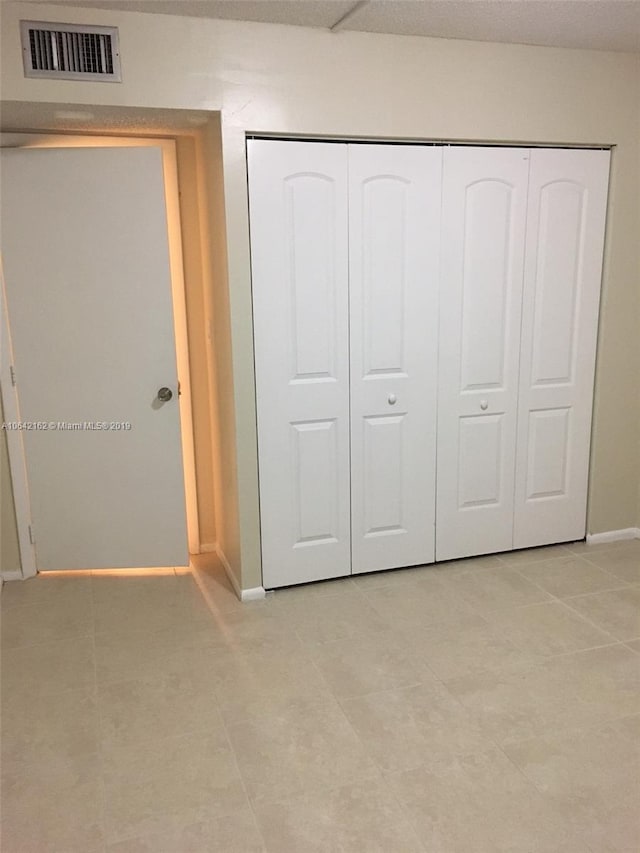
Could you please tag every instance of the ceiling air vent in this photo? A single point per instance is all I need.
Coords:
(70, 51)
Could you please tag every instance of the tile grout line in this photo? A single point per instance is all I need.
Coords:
(557, 599)
(620, 584)
(242, 779)
(625, 587)
(338, 702)
(591, 622)
(321, 601)
(38, 605)
(491, 742)
(568, 730)
(590, 649)
(565, 729)
(501, 631)
(557, 734)
(98, 719)
(546, 799)
(542, 662)
(613, 575)
(67, 639)
(589, 559)
(504, 635)
(554, 600)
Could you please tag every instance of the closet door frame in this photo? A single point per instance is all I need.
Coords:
(515, 413)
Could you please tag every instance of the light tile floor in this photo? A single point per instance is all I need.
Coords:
(479, 706)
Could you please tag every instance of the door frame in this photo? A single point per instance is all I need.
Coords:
(444, 143)
(15, 447)
(15, 444)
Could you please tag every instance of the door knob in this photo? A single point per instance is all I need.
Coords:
(392, 399)
(165, 394)
(484, 405)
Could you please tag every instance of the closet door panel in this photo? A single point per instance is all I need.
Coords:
(298, 208)
(563, 268)
(483, 231)
(480, 438)
(394, 229)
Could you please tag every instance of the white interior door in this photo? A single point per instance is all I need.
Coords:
(563, 269)
(394, 240)
(298, 206)
(483, 231)
(85, 256)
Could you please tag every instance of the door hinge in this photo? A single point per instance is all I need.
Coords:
(32, 535)
(12, 372)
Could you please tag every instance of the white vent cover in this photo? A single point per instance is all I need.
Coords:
(70, 51)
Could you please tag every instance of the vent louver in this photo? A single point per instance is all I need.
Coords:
(70, 51)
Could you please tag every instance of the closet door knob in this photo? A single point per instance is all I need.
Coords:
(392, 399)
(484, 405)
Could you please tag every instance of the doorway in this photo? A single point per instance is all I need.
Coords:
(183, 491)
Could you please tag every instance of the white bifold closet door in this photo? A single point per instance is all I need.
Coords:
(523, 236)
(299, 254)
(394, 238)
(563, 265)
(484, 204)
(391, 282)
(344, 243)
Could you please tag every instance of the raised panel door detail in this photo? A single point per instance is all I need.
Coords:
(316, 482)
(384, 489)
(486, 279)
(394, 239)
(384, 245)
(299, 263)
(480, 461)
(310, 207)
(563, 268)
(561, 231)
(548, 453)
(483, 226)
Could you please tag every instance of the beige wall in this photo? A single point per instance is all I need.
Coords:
(297, 81)
(638, 513)
(197, 285)
(219, 333)
(9, 548)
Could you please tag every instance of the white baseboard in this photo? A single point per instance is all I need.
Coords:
(229, 572)
(613, 536)
(254, 594)
(12, 576)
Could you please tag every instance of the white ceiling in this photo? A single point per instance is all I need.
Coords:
(590, 24)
